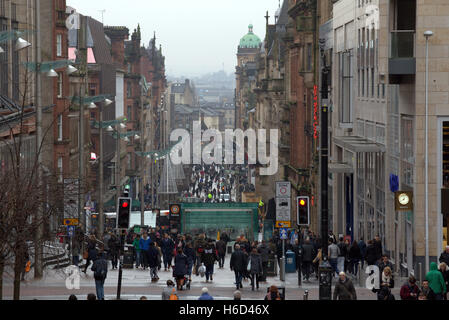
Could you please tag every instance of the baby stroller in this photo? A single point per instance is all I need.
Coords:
(182, 283)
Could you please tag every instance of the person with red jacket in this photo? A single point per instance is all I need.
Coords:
(410, 291)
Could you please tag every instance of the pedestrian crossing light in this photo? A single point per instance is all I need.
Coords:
(123, 213)
(303, 214)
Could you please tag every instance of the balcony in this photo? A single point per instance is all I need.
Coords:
(402, 52)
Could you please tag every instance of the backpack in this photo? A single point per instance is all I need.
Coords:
(101, 269)
(173, 295)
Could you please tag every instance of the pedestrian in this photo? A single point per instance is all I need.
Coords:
(106, 238)
(238, 264)
(444, 257)
(221, 250)
(144, 245)
(237, 295)
(190, 254)
(264, 251)
(205, 295)
(444, 269)
(76, 251)
(344, 289)
(100, 269)
(153, 262)
(436, 281)
(333, 252)
(114, 247)
(91, 251)
(255, 268)
(371, 255)
(307, 258)
(136, 245)
(209, 257)
(354, 256)
(362, 246)
(169, 290)
(91, 297)
(378, 245)
(343, 252)
(73, 298)
(142, 298)
(427, 291)
(159, 255)
(385, 262)
(409, 290)
(273, 293)
(386, 284)
(180, 269)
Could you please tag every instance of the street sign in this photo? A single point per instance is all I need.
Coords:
(283, 189)
(283, 233)
(70, 231)
(70, 222)
(283, 209)
(283, 224)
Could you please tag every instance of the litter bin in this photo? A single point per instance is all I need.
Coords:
(128, 257)
(290, 262)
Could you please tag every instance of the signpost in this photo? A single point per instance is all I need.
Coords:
(71, 222)
(283, 204)
(283, 236)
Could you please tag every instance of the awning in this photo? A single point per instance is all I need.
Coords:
(358, 144)
(340, 168)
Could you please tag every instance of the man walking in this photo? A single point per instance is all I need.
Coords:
(167, 247)
(238, 265)
(221, 249)
(307, 258)
(144, 248)
(264, 254)
(334, 252)
(344, 289)
(100, 269)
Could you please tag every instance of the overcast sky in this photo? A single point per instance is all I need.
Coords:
(197, 36)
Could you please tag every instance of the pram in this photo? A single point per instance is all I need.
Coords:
(180, 284)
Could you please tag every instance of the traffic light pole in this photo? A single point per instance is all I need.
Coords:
(325, 272)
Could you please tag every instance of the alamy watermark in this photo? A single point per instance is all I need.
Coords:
(193, 150)
(72, 282)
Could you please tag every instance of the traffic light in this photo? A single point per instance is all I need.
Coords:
(123, 213)
(303, 215)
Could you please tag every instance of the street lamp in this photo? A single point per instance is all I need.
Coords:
(71, 69)
(427, 34)
(22, 44)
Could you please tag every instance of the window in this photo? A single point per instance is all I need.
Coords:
(59, 45)
(129, 113)
(128, 90)
(60, 84)
(407, 151)
(60, 170)
(128, 162)
(309, 57)
(345, 87)
(60, 127)
(363, 82)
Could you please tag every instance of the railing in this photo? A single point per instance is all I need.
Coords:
(402, 44)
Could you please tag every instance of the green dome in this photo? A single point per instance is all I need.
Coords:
(250, 40)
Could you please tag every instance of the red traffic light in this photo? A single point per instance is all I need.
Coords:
(302, 202)
(125, 204)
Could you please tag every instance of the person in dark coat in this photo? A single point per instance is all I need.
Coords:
(100, 269)
(344, 289)
(190, 254)
(167, 247)
(114, 246)
(221, 250)
(362, 246)
(180, 270)
(307, 257)
(238, 264)
(444, 257)
(378, 245)
(410, 291)
(256, 268)
(91, 251)
(209, 257)
(153, 262)
(354, 258)
(371, 254)
(264, 251)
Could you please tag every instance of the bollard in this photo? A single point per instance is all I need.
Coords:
(306, 295)
(282, 269)
(420, 272)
